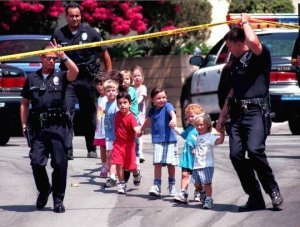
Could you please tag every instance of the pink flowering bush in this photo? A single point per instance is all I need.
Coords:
(114, 18)
(18, 16)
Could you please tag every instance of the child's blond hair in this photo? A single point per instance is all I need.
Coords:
(127, 73)
(110, 84)
(206, 120)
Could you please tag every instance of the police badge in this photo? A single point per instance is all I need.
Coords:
(56, 80)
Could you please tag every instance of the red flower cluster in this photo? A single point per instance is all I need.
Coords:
(112, 16)
(56, 9)
(167, 28)
(119, 18)
(18, 8)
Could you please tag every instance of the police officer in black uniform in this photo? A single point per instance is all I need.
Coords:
(88, 62)
(49, 124)
(249, 108)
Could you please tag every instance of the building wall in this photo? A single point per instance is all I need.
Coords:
(219, 12)
(168, 72)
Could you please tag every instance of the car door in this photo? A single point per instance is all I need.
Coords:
(205, 81)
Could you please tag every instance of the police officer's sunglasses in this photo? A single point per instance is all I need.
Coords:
(49, 58)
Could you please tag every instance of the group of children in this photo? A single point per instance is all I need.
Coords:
(121, 120)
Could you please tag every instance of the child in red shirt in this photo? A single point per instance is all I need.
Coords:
(123, 154)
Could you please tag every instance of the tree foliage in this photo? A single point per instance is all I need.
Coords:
(116, 18)
(176, 14)
(261, 6)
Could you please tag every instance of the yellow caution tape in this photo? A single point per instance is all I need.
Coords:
(114, 41)
(133, 38)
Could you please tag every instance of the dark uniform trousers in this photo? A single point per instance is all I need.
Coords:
(247, 133)
(50, 140)
(83, 90)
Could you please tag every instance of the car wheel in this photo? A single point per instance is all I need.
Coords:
(294, 125)
(4, 138)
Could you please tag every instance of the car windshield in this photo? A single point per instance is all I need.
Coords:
(8, 47)
(280, 44)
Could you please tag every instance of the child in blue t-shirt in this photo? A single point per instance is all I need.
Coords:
(162, 118)
(187, 157)
(111, 91)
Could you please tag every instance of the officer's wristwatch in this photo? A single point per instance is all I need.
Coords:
(65, 59)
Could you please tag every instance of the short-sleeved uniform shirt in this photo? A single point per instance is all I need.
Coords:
(45, 93)
(124, 144)
(250, 75)
(160, 129)
(85, 34)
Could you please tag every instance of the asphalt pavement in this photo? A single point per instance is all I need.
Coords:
(88, 203)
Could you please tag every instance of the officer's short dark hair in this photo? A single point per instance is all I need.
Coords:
(72, 5)
(236, 34)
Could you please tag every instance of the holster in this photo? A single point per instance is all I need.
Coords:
(266, 115)
(91, 67)
(240, 106)
(28, 135)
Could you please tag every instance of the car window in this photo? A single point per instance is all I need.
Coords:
(8, 47)
(211, 56)
(217, 55)
(223, 55)
(279, 44)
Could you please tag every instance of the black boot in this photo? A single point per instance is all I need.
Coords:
(277, 199)
(70, 154)
(255, 202)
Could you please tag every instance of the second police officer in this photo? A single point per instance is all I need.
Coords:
(88, 62)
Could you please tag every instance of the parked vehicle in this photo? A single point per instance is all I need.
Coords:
(12, 77)
(11, 83)
(202, 86)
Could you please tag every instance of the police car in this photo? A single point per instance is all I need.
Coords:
(12, 78)
(202, 86)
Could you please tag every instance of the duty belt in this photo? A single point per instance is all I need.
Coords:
(52, 115)
(254, 101)
(243, 104)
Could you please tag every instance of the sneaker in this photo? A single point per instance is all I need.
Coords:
(92, 154)
(208, 204)
(155, 190)
(202, 196)
(121, 188)
(197, 195)
(103, 172)
(111, 182)
(172, 190)
(181, 198)
(142, 160)
(137, 179)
